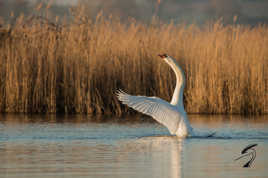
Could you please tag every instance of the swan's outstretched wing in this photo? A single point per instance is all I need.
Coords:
(159, 109)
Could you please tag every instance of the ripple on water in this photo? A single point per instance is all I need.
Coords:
(112, 149)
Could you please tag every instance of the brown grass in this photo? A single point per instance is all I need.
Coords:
(76, 68)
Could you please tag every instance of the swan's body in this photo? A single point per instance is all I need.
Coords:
(172, 115)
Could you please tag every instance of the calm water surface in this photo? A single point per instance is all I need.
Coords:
(31, 146)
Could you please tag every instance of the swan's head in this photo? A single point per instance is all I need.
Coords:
(163, 56)
(174, 65)
(166, 58)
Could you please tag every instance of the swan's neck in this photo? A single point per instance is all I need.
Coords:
(177, 98)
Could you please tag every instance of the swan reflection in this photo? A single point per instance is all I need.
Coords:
(161, 156)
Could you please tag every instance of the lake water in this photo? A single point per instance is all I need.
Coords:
(80, 146)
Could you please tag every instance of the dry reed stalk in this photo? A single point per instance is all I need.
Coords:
(77, 68)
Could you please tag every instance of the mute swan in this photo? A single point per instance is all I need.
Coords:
(172, 115)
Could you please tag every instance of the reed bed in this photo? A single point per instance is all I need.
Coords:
(77, 67)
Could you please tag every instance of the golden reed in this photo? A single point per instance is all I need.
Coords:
(77, 67)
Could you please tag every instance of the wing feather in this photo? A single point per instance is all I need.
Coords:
(160, 110)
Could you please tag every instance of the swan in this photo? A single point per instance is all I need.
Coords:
(172, 115)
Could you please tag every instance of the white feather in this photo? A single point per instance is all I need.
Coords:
(171, 115)
(159, 109)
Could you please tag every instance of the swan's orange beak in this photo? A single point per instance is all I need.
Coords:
(162, 55)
